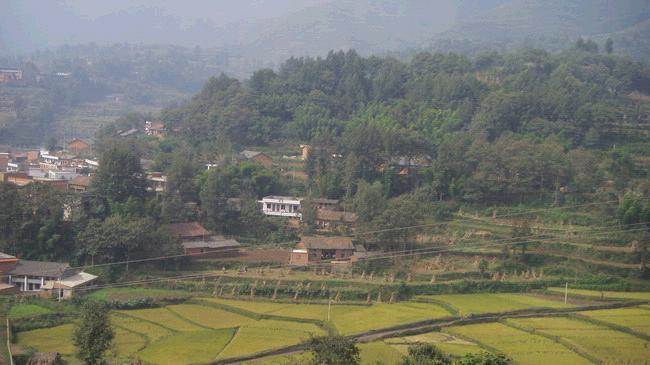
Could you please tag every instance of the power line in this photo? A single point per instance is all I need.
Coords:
(396, 254)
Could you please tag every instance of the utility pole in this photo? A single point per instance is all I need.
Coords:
(566, 291)
(329, 308)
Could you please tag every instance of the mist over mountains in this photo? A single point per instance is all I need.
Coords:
(263, 33)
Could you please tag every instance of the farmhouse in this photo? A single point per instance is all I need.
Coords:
(17, 178)
(156, 182)
(260, 157)
(10, 74)
(77, 146)
(79, 184)
(329, 219)
(54, 278)
(281, 206)
(212, 247)
(189, 231)
(154, 129)
(312, 249)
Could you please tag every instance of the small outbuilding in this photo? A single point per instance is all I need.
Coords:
(213, 247)
(312, 249)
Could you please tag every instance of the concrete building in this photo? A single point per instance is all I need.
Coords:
(281, 206)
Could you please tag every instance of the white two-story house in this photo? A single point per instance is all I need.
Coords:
(281, 206)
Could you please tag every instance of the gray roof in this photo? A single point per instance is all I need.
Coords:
(326, 243)
(41, 268)
(212, 242)
(325, 201)
(249, 154)
(6, 256)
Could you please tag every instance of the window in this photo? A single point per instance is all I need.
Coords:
(283, 207)
(268, 205)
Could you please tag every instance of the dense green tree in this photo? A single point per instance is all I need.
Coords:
(120, 174)
(424, 354)
(93, 334)
(334, 350)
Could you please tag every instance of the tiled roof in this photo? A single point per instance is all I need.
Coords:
(327, 243)
(77, 279)
(40, 268)
(249, 154)
(325, 201)
(213, 242)
(81, 181)
(334, 216)
(188, 230)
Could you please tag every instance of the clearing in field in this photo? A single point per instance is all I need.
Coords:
(492, 303)
(605, 294)
(444, 341)
(187, 347)
(266, 335)
(636, 319)
(524, 348)
(610, 346)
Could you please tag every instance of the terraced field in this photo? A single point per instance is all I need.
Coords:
(491, 303)
(209, 329)
(179, 334)
(604, 294)
(265, 335)
(524, 348)
(636, 319)
(607, 345)
(347, 319)
(446, 342)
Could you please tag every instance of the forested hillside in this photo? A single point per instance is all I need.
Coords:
(507, 128)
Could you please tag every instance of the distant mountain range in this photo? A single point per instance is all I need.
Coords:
(550, 24)
(262, 33)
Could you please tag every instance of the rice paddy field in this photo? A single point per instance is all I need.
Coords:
(347, 319)
(492, 303)
(446, 342)
(204, 330)
(636, 319)
(607, 345)
(524, 348)
(604, 294)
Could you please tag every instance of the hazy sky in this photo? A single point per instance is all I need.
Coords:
(30, 24)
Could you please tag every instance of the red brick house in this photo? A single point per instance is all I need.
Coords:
(260, 157)
(79, 184)
(77, 146)
(312, 249)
